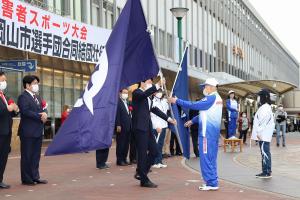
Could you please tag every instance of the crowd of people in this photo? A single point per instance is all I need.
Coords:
(142, 132)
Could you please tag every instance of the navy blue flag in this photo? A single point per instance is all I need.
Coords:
(181, 115)
(127, 59)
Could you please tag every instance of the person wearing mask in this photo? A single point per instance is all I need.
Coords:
(280, 116)
(262, 131)
(7, 111)
(209, 121)
(244, 125)
(65, 113)
(159, 127)
(232, 110)
(194, 130)
(142, 128)
(123, 128)
(31, 130)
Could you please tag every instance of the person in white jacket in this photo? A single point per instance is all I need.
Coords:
(263, 127)
(159, 126)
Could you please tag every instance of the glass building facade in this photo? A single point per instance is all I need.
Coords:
(225, 36)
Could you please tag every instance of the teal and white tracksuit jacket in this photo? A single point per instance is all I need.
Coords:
(209, 120)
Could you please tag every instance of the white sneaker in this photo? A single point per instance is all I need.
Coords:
(157, 166)
(162, 165)
(207, 188)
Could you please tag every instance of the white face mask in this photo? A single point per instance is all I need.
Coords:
(205, 93)
(35, 88)
(280, 108)
(244, 115)
(159, 95)
(3, 85)
(124, 96)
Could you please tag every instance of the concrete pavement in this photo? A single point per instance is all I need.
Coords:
(76, 177)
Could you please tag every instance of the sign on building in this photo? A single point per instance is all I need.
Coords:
(32, 29)
(19, 65)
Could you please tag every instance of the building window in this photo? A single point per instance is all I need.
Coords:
(66, 7)
(96, 13)
(169, 46)
(162, 42)
(108, 15)
(191, 55)
(83, 11)
(196, 57)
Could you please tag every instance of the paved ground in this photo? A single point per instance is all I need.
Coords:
(240, 168)
(75, 177)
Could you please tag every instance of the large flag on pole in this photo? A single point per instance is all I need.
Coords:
(127, 58)
(180, 90)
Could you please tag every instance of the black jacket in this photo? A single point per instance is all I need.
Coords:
(123, 118)
(192, 114)
(5, 119)
(31, 124)
(141, 119)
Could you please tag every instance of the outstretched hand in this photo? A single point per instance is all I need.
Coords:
(172, 100)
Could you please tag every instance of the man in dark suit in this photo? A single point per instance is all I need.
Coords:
(142, 128)
(31, 130)
(7, 111)
(123, 129)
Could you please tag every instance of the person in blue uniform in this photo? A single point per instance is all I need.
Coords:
(232, 111)
(209, 121)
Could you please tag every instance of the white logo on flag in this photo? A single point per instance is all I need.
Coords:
(98, 79)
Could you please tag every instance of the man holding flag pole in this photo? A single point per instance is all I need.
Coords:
(209, 121)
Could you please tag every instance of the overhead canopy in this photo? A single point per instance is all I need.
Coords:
(250, 88)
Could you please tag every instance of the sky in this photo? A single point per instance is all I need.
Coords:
(283, 17)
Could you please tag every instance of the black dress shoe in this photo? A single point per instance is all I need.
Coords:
(121, 164)
(148, 184)
(41, 181)
(133, 162)
(4, 186)
(103, 167)
(137, 176)
(29, 183)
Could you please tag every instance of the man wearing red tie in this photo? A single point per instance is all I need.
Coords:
(31, 127)
(8, 109)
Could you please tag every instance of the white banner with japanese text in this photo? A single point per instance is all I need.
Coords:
(28, 28)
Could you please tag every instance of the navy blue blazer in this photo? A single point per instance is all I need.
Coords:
(5, 119)
(141, 119)
(123, 118)
(31, 124)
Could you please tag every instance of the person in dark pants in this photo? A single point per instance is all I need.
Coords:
(142, 128)
(194, 131)
(244, 125)
(123, 129)
(101, 158)
(174, 142)
(132, 150)
(7, 111)
(31, 130)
